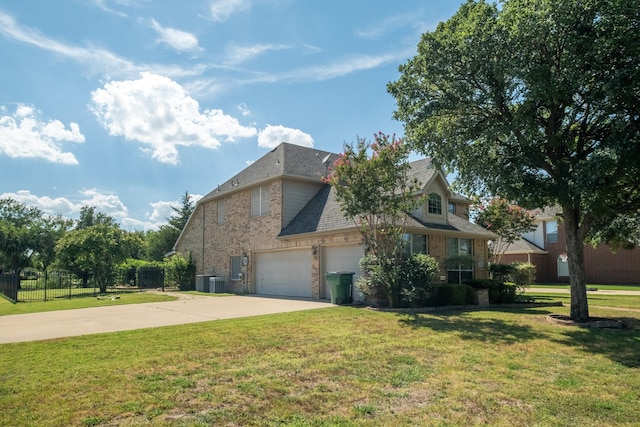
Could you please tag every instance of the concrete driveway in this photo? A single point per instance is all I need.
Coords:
(187, 309)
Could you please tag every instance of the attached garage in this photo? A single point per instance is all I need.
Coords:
(284, 273)
(342, 258)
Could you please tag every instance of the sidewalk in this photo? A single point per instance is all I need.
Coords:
(67, 323)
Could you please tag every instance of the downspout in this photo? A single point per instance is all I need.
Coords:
(203, 218)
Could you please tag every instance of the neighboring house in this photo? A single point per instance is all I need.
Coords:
(276, 229)
(546, 248)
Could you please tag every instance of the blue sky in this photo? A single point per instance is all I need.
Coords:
(126, 104)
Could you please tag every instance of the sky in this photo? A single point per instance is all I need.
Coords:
(125, 105)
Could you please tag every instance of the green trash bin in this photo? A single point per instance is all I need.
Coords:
(340, 286)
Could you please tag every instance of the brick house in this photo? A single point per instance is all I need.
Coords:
(546, 248)
(275, 228)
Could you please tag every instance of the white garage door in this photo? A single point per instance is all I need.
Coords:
(285, 273)
(342, 258)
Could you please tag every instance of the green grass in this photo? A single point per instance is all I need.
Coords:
(341, 366)
(595, 300)
(599, 287)
(7, 308)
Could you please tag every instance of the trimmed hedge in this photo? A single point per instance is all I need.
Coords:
(499, 293)
(450, 294)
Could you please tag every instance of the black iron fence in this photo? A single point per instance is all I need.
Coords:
(45, 286)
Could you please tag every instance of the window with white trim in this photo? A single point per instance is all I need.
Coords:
(236, 267)
(460, 251)
(552, 231)
(435, 204)
(260, 201)
(415, 244)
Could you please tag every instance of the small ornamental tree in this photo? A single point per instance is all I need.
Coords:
(507, 220)
(372, 185)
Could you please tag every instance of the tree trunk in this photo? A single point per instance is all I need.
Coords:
(577, 278)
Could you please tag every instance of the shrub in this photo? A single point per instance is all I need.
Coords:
(416, 275)
(181, 272)
(501, 272)
(450, 294)
(524, 275)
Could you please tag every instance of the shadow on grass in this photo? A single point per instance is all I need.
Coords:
(477, 329)
(619, 345)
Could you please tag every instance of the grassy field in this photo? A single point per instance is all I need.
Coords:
(7, 308)
(599, 287)
(341, 366)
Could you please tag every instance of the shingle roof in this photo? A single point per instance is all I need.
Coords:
(521, 246)
(286, 159)
(322, 213)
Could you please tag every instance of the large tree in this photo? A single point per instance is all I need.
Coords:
(374, 188)
(96, 247)
(19, 234)
(535, 101)
(182, 213)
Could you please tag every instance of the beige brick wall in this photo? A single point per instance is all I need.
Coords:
(213, 245)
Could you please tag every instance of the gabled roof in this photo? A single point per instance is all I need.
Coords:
(523, 246)
(322, 213)
(286, 160)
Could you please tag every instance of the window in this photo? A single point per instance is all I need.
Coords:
(435, 204)
(452, 208)
(236, 267)
(220, 212)
(552, 231)
(260, 201)
(460, 256)
(415, 244)
(563, 266)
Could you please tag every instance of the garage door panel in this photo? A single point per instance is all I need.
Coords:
(284, 273)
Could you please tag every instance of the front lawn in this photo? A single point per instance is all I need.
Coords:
(342, 366)
(56, 304)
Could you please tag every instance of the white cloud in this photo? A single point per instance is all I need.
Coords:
(272, 136)
(56, 206)
(108, 204)
(162, 210)
(23, 134)
(96, 60)
(102, 4)
(244, 110)
(158, 112)
(179, 40)
(221, 10)
(238, 54)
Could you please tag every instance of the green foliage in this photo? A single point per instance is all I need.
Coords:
(160, 242)
(534, 101)
(183, 213)
(180, 271)
(19, 234)
(450, 294)
(499, 292)
(372, 184)
(502, 272)
(523, 276)
(507, 220)
(94, 251)
(414, 276)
